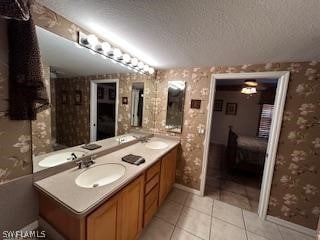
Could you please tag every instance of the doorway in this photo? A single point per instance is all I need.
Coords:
(245, 148)
(104, 109)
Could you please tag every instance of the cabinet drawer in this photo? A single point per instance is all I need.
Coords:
(151, 197)
(150, 184)
(150, 213)
(153, 170)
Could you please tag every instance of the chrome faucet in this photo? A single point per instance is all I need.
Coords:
(72, 157)
(86, 162)
(121, 140)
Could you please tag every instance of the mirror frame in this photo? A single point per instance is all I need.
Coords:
(177, 84)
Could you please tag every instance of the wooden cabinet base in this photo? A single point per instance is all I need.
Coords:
(61, 219)
(122, 216)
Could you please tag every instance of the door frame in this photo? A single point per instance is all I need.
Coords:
(93, 106)
(280, 98)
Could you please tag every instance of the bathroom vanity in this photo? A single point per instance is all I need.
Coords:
(118, 210)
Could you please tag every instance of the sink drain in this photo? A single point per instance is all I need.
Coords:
(95, 185)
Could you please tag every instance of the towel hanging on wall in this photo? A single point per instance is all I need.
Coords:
(27, 92)
(15, 9)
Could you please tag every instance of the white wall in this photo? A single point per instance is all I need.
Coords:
(245, 123)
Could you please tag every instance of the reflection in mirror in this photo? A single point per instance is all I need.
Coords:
(176, 93)
(104, 109)
(137, 104)
(85, 91)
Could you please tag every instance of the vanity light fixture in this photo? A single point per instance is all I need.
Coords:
(114, 54)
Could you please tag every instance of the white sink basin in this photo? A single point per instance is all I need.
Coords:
(59, 158)
(100, 175)
(156, 145)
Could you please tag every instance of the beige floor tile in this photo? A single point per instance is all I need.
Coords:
(252, 236)
(170, 211)
(178, 196)
(235, 199)
(288, 234)
(195, 222)
(228, 213)
(225, 231)
(260, 227)
(202, 204)
(157, 230)
(180, 234)
(233, 187)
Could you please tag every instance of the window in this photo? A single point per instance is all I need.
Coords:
(265, 120)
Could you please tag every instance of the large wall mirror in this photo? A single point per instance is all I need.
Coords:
(175, 106)
(92, 99)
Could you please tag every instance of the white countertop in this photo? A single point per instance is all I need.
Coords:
(81, 201)
(106, 144)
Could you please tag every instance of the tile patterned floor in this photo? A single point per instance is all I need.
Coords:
(185, 216)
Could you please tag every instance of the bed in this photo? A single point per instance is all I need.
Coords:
(246, 153)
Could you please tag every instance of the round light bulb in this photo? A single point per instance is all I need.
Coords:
(151, 70)
(146, 68)
(134, 62)
(117, 53)
(106, 47)
(140, 65)
(92, 39)
(126, 58)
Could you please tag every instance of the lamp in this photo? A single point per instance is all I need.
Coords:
(249, 90)
(251, 82)
(114, 54)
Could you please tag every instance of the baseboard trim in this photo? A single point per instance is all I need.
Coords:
(187, 189)
(292, 226)
(32, 226)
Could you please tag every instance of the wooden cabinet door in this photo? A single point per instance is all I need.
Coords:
(131, 210)
(167, 175)
(102, 223)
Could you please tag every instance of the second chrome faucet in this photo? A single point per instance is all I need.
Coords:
(86, 161)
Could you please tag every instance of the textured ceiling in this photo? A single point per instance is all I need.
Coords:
(185, 33)
(66, 59)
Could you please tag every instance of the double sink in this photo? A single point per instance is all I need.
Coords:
(97, 175)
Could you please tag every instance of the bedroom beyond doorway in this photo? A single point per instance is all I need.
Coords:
(244, 119)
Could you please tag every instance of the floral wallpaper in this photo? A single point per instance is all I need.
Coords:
(42, 141)
(15, 157)
(73, 121)
(295, 193)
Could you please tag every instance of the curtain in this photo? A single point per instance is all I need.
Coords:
(15, 9)
(27, 92)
